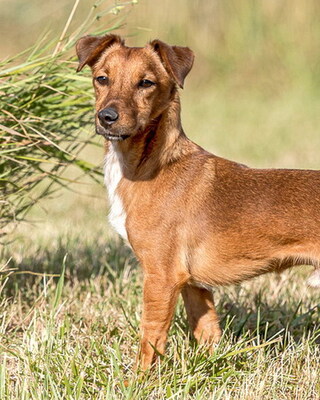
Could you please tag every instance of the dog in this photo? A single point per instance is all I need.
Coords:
(194, 220)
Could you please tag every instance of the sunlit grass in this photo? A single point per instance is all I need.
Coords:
(76, 337)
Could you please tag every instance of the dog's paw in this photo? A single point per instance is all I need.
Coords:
(314, 279)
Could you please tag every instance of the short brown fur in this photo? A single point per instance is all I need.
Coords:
(194, 220)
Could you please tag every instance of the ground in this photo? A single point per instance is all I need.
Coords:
(74, 335)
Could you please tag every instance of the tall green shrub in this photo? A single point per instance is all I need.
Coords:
(45, 107)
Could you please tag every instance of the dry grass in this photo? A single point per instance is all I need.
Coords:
(76, 337)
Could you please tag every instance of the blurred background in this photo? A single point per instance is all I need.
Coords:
(252, 95)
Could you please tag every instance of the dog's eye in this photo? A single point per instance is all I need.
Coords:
(145, 83)
(103, 80)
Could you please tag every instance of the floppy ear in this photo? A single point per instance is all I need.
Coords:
(177, 60)
(89, 48)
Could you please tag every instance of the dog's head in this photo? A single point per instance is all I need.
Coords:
(133, 85)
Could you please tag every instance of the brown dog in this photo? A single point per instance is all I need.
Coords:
(194, 220)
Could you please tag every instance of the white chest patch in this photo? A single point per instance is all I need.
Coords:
(112, 177)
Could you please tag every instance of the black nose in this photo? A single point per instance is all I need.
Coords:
(108, 116)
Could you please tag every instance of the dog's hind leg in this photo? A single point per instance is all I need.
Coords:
(201, 313)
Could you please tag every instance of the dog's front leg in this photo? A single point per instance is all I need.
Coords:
(159, 300)
(201, 313)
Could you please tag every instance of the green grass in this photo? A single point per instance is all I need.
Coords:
(71, 331)
(44, 108)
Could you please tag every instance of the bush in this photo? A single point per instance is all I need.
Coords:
(45, 107)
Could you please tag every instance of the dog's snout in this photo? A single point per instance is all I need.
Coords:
(108, 116)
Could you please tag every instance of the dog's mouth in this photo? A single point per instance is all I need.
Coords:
(112, 136)
(117, 138)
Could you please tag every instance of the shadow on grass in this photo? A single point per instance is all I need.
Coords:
(85, 259)
(267, 318)
(254, 314)
(286, 317)
(261, 318)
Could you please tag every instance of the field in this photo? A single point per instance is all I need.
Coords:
(70, 289)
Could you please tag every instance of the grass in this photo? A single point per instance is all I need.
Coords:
(69, 329)
(44, 109)
(39, 140)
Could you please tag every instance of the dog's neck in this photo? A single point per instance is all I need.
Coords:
(159, 145)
